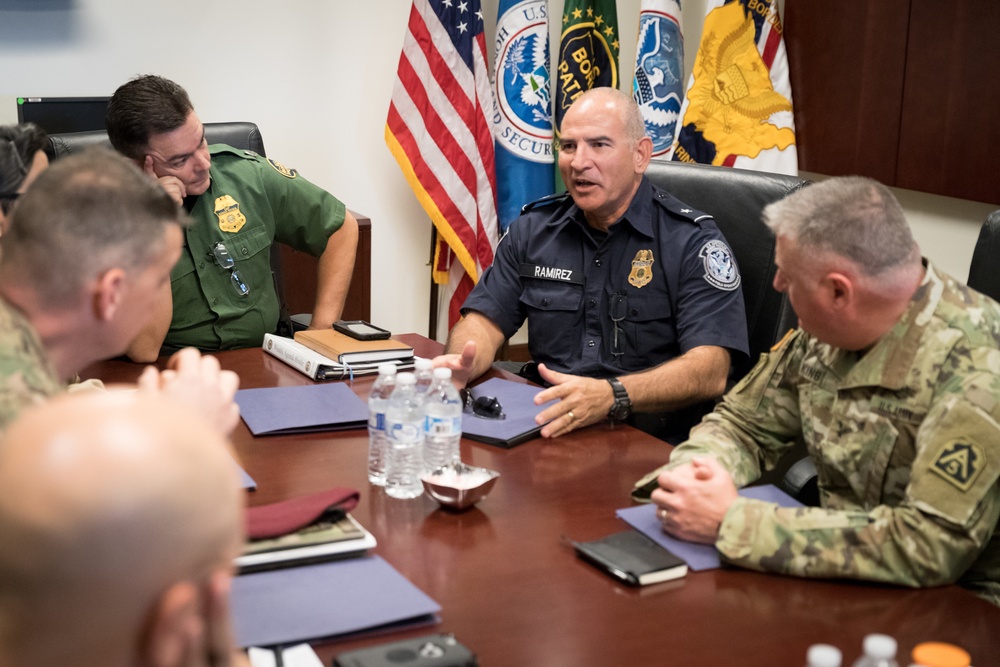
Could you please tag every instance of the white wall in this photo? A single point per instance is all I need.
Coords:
(316, 76)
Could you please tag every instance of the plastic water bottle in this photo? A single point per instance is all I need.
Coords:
(424, 370)
(823, 655)
(378, 401)
(879, 651)
(442, 422)
(404, 424)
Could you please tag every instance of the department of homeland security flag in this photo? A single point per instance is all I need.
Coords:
(524, 111)
(738, 107)
(440, 131)
(658, 84)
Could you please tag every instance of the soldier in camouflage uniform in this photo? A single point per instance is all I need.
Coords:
(893, 383)
(89, 245)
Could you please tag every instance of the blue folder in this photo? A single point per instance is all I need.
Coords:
(518, 402)
(326, 601)
(305, 409)
(698, 556)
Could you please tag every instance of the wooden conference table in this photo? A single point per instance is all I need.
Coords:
(512, 590)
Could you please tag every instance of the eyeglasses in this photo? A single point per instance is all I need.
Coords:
(223, 259)
(619, 306)
(486, 407)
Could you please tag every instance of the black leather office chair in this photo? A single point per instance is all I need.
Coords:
(735, 198)
(238, 134)
(984, 272)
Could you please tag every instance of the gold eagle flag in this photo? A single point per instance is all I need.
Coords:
(737, 111)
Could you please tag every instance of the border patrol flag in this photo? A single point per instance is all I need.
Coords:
(588, 55)
(658, 82)
(588, 51)
(738, 107)
(440, 130)
(523, 127)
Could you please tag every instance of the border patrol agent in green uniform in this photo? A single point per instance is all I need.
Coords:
(252, 202)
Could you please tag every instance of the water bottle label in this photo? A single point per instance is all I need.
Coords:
(376, 421)
(443, 425)
(405, 432)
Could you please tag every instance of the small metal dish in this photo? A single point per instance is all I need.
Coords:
(458, 485)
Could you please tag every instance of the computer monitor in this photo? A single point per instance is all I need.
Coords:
(63, 114)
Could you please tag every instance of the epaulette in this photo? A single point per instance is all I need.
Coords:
(547, 200)
(679, 209)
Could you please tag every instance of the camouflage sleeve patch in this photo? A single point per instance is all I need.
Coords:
(957, 464)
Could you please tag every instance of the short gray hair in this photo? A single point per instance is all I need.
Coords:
(853, 217)
(85, 214)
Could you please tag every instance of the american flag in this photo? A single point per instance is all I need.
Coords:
(440, 131)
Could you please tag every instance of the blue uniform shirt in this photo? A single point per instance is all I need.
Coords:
(664, 272)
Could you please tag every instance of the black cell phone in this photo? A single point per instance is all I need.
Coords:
(429, 651)
(360, 330)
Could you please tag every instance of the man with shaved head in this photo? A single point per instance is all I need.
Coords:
(120, 516)
(632, 298)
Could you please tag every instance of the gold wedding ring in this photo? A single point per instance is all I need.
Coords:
(571, 416)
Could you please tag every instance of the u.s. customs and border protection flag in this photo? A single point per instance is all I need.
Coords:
(588, 54)
(440, 130)
(738, 107)
(523, 128)
(658, 84)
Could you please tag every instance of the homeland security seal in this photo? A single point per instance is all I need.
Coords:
(524, 122)
(720, 269)
(657, 86)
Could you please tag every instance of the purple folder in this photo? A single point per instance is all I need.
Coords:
(518, 402)
(698, 556)
(326, 601)
(306, 409)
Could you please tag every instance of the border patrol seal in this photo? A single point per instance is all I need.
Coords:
(282, 169)
(720, 269)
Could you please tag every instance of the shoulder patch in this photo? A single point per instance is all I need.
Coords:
(282, 169)
(720, 267)
(959, 463)
(545, 201)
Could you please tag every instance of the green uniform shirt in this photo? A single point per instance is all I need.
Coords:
(905, 438)
(26, 375)
(251, 202)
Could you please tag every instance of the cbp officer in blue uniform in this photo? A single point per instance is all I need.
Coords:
(632, 299)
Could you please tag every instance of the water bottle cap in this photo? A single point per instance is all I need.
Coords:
(406, 378)
(442, 373)
(879, 646)
(823, 655)
(387, 368)
(422, 364)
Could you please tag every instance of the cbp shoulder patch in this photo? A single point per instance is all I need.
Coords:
(282, 169)
(959, 463)
(720, 268)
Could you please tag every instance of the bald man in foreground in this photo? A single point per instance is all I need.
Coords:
(120, 517)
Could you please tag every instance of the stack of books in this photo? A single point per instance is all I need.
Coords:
(330, 355)
(323, 540)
